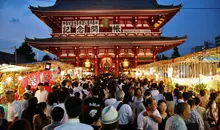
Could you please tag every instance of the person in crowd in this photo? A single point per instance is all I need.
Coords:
(24, 101)
(162, 108)
(68, 84)
(160, 96)
(147, 95)
(212, 114)
(47, 87)
(149, 118)
(41, 94)
(154, 90)
(199, 109)
(109, 118)
(73, 107)
(51, 103)
(40, 120)
(77, 89)
(129, 96)
(28, 90)
(170, 104)
(77, 94)
(62, 96)
(179, 97)
(195, 121)
(29, 113)
(111, 98)
(182, 88)
(3, 122)
(176, 122)
(93, 103)
(57, 115)
(85, 92)
(204, 98)
(175, 92)
(14, 107)
(217, 126)
(138, 105)
(125, 111)
(96, 114)
(186, 96)
(20, 125)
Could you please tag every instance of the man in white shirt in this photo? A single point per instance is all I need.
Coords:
(41, 94)
(176, 122)
(73, 107)
(125, 111)
(14, 108)
(149, 118)
(61, 98)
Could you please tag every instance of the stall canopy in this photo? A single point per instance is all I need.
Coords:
(13, 68)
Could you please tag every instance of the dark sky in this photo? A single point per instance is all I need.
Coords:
(17, 21)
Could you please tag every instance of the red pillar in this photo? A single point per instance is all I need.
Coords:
(117, 52)
(77, 61)
(116, 65)
(77, 52)
(136, 51)
(135, 61)
(96, 65)
(154, 55)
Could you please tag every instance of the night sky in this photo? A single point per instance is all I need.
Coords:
(17, 21)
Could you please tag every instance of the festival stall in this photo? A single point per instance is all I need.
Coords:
(191, 70)
(16, 77)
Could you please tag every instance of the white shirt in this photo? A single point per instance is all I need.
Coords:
(65, 116)
(74, 124)
(41, 96)
(125, 113)
(24, 104)
(76, 89)
(14, 110)
(110, 101)
(154, 93)
(49, 109)
(146, 122)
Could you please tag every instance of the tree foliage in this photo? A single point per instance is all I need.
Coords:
(27, 52)
(175, 53)
(46, 58)
(161, 57)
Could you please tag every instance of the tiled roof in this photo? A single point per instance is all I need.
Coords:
(71, 5)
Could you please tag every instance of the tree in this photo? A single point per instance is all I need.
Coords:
(26, 51)
(161, 57)
(175, 52)
(46, 58)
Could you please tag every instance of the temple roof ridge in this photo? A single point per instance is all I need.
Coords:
(73, 5)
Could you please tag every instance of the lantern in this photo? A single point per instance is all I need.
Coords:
(87, 64)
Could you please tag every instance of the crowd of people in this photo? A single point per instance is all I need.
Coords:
(109, 103)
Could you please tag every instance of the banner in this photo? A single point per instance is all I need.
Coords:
(40, 77)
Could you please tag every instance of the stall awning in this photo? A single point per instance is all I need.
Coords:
(13, 68)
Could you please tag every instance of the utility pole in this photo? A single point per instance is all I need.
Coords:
(15, 55)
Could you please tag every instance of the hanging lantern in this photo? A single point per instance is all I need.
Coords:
(125, 63)
(87, 64)
(106, 65)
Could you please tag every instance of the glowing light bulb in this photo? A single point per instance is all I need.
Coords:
(8, 79)
(62, 73)
(20, 78)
